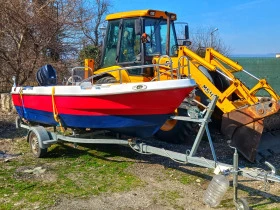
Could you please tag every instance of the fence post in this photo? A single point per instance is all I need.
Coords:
(6, 102)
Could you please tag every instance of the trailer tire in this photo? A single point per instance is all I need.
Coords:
(35, 138)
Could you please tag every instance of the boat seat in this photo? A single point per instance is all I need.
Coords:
(46, 76)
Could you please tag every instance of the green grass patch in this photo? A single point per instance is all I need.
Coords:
(227, 203)
(170, 195)
(171, 198)
(70, 172)
(180, 176)
(264, 205)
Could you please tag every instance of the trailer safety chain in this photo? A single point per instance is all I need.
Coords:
(55, 112)
(177, 161)
(138, 151)
(266, 186)
(148, 153)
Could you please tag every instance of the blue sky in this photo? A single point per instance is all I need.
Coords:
(248, 27)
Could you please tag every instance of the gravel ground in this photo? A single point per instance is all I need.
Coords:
(163, 190)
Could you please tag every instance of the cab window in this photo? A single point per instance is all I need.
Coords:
(130, 46)
(111, 42)
(156, 29)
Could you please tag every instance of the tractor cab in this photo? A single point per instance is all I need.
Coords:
(134, 38)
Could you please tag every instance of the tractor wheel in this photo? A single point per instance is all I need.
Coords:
(106, 80)
(184, 131)
(177, 131)
(220, 81)
(222, 84)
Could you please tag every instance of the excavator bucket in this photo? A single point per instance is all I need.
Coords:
(245, 127)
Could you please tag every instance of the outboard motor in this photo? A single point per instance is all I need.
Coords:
(46, 76)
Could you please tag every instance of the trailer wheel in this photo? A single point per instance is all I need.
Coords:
(33, 139)
(242, 204)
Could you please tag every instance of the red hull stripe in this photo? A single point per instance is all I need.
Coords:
(156, 102)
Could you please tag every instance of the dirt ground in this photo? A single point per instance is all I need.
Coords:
(162, 189)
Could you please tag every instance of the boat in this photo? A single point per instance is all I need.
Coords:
(137, 109)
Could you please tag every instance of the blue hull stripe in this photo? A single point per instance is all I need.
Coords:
(136, 125)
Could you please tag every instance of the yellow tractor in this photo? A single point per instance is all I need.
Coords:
(136, 39)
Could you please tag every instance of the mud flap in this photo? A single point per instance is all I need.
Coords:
(244, 127)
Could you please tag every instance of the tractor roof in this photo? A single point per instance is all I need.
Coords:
(141, 13)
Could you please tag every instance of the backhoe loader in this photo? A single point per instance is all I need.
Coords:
(145, 37)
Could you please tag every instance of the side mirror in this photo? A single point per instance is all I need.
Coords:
(137, 27)
(187, 43)
(145, 38)
(187, 35)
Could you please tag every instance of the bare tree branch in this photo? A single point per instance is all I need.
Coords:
(201, 39)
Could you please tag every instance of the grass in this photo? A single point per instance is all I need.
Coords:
(180, 176)
(171, 197)
(69, 173)
(91, 171)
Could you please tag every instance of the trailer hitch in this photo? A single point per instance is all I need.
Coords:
(261, 174)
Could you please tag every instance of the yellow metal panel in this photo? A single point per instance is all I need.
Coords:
(88, 71)
(140, 13)
(115, 72)
(210, 53)
(140, 78)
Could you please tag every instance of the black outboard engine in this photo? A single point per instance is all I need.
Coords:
(46, 76)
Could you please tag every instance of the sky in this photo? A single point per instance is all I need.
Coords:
(246, 26)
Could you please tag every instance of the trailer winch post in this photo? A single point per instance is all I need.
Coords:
(203, 127)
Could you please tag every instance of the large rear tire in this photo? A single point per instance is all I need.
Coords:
(184, 131)
(106, 80)
(181, 132)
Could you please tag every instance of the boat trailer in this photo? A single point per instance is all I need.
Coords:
(40, 139)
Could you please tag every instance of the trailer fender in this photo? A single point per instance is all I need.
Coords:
(42, 135)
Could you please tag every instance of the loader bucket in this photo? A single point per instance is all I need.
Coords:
(245, 126)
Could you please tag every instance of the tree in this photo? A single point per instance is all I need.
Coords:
(92, 17)
(34, 33)
(89, 51)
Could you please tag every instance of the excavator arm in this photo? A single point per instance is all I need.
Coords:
(243, 122)
(244, 112)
